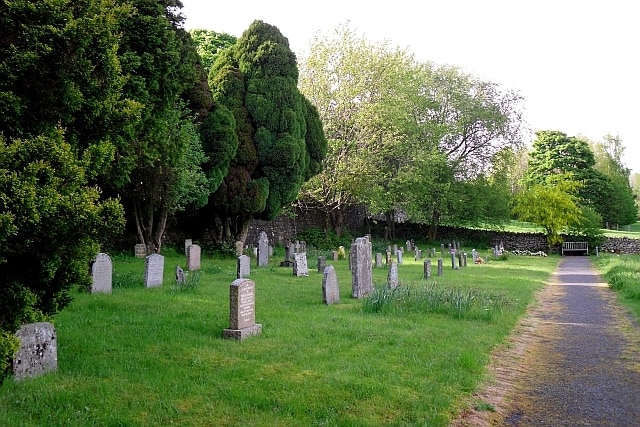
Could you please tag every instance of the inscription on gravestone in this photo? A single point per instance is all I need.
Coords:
(193, 257)
(242, 315)
(330, 288)
(102, 274)
(140, 251)
(38, 351)
(154, 270)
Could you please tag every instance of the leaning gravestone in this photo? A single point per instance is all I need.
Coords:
(330, 288)
(263, 250)
(140, 250)
(244, 267)
(153, 271)
(300, 267)
(242, 310)
(193, 257)
(102, 274)
(38, 351)
(361, 268)
(392, 277)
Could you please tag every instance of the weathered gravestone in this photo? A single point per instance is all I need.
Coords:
(378, 260)
(361, 268)
(38, 351)
(387, 257)
(140, 250)
(193, 257)
(153, 270)
(263, 250)
(334, 255)
(242, 310)
(408, 245)
(322, 263)
(187, 243)
(300, 267)
(427, 268)
(440, 266)
(244, 266)
(330, 288)
(288, 251)
(181, 278)
(102, 274)
(392, 277)
(474, 255)
(399, 255)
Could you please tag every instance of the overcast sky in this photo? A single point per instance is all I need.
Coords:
(573, 61)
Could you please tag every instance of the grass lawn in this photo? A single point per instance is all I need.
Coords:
(622, 272)
(156, 357)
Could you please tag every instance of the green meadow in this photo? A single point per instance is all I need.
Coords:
(156, 357)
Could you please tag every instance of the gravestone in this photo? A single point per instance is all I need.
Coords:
(330, 288)
(193, 257)
(399, 256)
(38, 351)
(239, 247)
(388, 257)
(418, 255)
(140, 250)
(153, 270)
(464, 259)
(392, 277)
(263, 250)
(408, 244)
(427, 268)
(441, 249)
(395, 249)
(440, 266)
(453, 260)
(187, 243)
(361, 268)
(242, 310)
(378, 260)
(270, 251)
(334, 255)
(288, 248)
(244, 267)
(181, 278)
(474, 255)
(300, 267)
(322, 263)
(102, 274)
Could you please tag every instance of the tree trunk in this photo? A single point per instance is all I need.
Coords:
(433, 227)
(160, 229)
(390, 217)
(337, 221)
(244, 222)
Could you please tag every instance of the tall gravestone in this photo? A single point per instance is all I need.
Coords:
(322, 263)
(153, 270)
(392, 277)
(399, 255)
(378, 260)
(330, 288)
(187, 243)
(244, 267)
(242, 310)
(263, 250)
(361, 268)
(193, 257)
(38, 350)
(408, 245)
(440, 266)
(102, 274)
(427, 268)
(388, 257)
(300, 267)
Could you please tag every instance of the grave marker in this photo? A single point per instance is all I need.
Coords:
(392, 277)
(181, 278)
(193, 258)
(242, 314)
(140, 250)
(427, 268)
(440, 266)
(378, 260)
(361, 268)
(244, 267)
(330, 288)
(102, 274)
(300, 267)
(153, 270)
(263, 250)
(38, 350)
(322, 263)
(187, 243)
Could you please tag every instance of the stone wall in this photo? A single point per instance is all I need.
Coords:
(621, 245)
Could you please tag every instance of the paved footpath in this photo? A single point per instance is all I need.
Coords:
(580, 359)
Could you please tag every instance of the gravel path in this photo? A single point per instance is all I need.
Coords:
(575, 361)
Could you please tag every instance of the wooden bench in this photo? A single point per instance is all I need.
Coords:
(575, 247)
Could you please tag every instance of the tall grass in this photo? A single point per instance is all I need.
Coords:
(156, 357)
(622, 272)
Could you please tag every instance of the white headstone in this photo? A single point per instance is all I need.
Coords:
(263, 250)
(244, 266)
(102, 274)
(300, 267)
(154, 271)
(330, 288)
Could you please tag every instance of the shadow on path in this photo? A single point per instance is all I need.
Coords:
(578, 362)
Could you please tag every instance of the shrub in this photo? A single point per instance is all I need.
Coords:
(320, 239)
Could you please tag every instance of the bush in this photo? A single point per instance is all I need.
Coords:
(322, 240)
(9, 345)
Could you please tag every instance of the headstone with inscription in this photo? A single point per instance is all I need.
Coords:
(38, 350)
(263, 250)
(102, 274)
(330, 288)
(153, 270)
(392, 277)
(193, 257)
(242, 310)
(361, 268)
(300, 267)
(140, 250)
(244, 266)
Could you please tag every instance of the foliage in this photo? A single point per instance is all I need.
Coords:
(280, 140)
(9, 345)
(553, 207)
(209, 44)
(622, 272)
(323, 240)
(51, 226)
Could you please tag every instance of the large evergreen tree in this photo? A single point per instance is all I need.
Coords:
(280, 139)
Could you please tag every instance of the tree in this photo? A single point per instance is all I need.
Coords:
(51, 225)
(209, 44)
(280, 138)
(554, 207)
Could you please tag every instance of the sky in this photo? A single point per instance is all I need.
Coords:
(574, 62)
